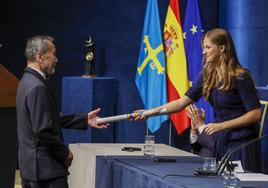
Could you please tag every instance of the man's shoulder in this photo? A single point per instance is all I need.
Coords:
(31, 79)
(30, 82)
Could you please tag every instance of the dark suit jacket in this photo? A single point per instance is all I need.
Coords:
(204, 146)
(42, 153)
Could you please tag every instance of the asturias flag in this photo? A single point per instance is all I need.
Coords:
(151, 71)
(177, 75)
(192, 40)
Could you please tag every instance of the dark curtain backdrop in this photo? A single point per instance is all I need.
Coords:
(247, 21)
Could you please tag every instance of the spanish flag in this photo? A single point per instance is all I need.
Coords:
(177, 76)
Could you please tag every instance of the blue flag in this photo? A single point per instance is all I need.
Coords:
(192, 41)
(151, 70)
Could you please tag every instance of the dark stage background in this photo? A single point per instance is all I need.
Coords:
(116, 28)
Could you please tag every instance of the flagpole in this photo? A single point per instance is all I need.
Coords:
(169, 137)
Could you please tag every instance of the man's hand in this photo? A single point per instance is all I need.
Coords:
(69, 158)
(92, 116)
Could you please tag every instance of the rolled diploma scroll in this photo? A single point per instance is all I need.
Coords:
(111, 119)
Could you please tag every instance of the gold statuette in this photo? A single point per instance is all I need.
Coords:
(89, 65)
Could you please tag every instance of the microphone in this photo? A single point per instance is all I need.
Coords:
(225, 160)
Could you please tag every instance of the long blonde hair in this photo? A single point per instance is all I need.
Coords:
(230, 67)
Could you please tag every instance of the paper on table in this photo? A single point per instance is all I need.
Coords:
(252, 177)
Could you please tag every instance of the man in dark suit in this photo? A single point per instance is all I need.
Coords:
(43, 157)
(202, 144)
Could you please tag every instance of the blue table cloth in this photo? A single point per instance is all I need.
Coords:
(138, 172)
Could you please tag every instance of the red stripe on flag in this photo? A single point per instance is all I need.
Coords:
(179, 119)
(174, 5)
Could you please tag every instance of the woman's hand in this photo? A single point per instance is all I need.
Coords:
(212, 128)
(144, 114)
(247, 119)
(197, 116)
(194, 129)
(137, 115)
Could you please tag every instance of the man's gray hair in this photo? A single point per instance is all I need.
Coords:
(37, 44)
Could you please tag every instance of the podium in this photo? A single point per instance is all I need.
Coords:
(82, 95)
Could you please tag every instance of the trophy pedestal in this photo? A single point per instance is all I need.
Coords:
(82, 95)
